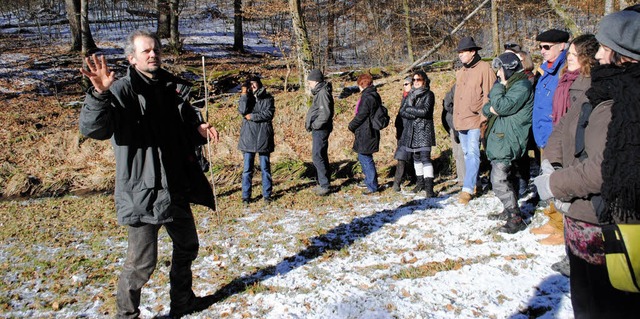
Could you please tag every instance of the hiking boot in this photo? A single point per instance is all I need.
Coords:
(504, 215)
(464, 198)
(428, 187)
(361, 185)
(514, 224)
(197, 304)
(545, 229)
(562, 267)
(419, 185)
(246, 202)
(553, 239)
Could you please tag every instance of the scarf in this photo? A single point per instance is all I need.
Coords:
(473, 61)
(561, 97)
(621, 157)
(414, 94)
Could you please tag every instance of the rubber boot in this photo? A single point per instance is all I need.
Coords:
(428, 187)
(419, 185)
(397, 179)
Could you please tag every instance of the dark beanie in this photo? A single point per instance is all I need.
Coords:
(315, 75)
(620, 31)
(256, 79)
(553, 36)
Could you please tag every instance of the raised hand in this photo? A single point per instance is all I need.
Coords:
(99, 74)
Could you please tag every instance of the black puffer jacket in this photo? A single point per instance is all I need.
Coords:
(256, 134)
(367, 140)
(419, 132)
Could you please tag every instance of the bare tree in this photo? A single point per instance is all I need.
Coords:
(88, 45)
(73, 15)
(331, 30)
(562, 13)
(407, 28)
(303, 45)
(238, 35)
(494, 27)
(164, 18)
(174, 36)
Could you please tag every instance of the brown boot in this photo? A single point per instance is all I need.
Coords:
(553, 239)
(545, 229)
(464, 198)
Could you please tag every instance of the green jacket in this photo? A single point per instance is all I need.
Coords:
(508, 133)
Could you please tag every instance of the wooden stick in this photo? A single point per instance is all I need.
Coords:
(209, 157)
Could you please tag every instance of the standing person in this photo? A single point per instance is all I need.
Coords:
(405, 163)
(319, 122)
(257, 108)
(367, 140)
(509, 121)
(447, 122)
(552, 48)
(473, 83)
(153, 130)
(570, 93)
(607, 170)
(419, 134)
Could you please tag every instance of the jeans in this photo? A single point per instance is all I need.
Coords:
(470, 142)
(502, 183)
(247, 174)
(320, 157)
(369, 170)
(142, 256)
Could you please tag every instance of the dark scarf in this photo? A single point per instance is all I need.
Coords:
(414, 94)
(475, 60)
(621, 158)
(561, 97)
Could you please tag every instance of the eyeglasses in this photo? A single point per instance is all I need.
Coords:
(547, 46)
(407, 84)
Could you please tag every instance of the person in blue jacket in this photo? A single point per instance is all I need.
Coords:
(553, 45)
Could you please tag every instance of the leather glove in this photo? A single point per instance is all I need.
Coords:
(561, 206)
(542, 184)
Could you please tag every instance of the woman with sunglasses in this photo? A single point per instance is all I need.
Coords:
(405, 162)
(605, 175)
(419, 135)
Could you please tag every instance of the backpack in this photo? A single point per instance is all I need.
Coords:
(380, 118)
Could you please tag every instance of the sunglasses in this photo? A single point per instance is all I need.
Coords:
(511, 46)
(418, 80)
(407, 84)
(547, 46)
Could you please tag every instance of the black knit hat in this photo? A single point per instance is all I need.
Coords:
(315, 75)
(553, 36)
(468, 44)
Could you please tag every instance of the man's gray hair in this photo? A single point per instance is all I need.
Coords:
(130, 48)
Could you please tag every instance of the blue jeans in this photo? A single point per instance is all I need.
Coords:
(470, 143)
(320, 157)
(247, 174)
(369, 170)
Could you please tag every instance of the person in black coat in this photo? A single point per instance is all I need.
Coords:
(367, 139)
(257, 108)
(405, 161)
(419, 134)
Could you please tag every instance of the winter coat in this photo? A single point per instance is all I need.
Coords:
(320, 115)
(508, 132)
(577, 180)
(256, 134)
(542, 120)
(367, 140)
(153, 130)
(419, 131)
(472, 92)
(578, 90)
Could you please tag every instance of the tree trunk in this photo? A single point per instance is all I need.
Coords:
(88, 45)
(608, 7)
(407, 28)
(331, 31)
(303, 45)
(238, 34)
(494, 28)
(174, 37)
(568, 21)
(73, 15)
(164, 19)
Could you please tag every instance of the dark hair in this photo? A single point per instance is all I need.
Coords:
(256, 79)
(586, 49)
(423, 75)
(365, 80)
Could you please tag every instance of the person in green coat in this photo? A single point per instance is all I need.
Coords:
(509, 120)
